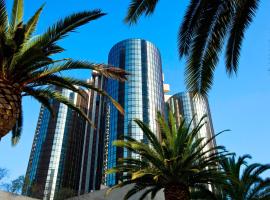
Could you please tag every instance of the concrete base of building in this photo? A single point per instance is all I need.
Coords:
(11, 196)
(117, 194)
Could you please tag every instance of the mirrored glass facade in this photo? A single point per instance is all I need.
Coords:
(141, 96)
(184, 105)
(93, 144)
(55, 157)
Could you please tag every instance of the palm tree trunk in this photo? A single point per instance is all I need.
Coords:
(10, 106)
(177, 192)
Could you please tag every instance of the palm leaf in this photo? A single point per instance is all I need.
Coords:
(245, 11)
(32, 23)
(3, 17)
(150, 136)
(188, 26)
(194, 64)
(187, 164)
(16, 15)
(71, 65)
(139, 7)
(68, 24)
(41, 99)
(52, 94)
(62, 82)
(214, 45)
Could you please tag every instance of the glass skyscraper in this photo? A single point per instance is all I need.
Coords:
(67, 151)
(184, 105)
(141, 96)
(93, 144)
(54, 160)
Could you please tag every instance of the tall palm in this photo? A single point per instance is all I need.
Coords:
(177, 163)
(243, 182)
(28, 69)
(206, 26)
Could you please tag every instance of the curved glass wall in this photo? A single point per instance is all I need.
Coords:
(141, 96)
(184, 105)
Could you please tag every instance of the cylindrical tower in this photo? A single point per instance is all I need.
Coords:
(184, 105)
(141, 96)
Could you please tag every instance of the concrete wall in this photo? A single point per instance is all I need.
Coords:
(10, 196)
(117, 194)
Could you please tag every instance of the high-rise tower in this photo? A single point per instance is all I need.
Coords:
(55, 156)
(141, 96)
(67, 151)
(184, 105)
(93, 144)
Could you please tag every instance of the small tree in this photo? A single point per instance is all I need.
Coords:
(3, 173)
(15, 186)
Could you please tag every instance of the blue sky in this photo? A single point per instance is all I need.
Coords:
(240, 103)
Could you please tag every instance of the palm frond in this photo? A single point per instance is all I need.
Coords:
(202, 34)
(3, 17)
(188, 26)
(214, 46)
(260, 191)
(194, 68)
(115, 73)
(32, 23)
(150, 136)
(63, 27)
(168, 163)
(138, 8)
(141, 149)
(41, 99)
(62, 82)
(16, 15)
(52, 94)
(243, 179)
(244, 13)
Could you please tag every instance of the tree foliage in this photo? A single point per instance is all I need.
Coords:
(28, 66)
(208, 26)
(179, 161)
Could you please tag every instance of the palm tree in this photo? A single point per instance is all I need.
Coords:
(28, 69)
(178, 163)
(243, 182)
(206, 26)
